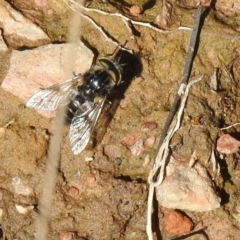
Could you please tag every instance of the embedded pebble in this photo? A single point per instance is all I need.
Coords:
(137, 148)
(67, 235)
(148, 126)
(177, 224)
(134, 142)
(90, 180)
(24, 210)
(135, 10)
(73, 191)
(187, 188)
(131, 138)
(20, 187)
(226, 144)
(89, 159)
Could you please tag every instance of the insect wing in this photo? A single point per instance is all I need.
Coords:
(54, 96)
(82, 126)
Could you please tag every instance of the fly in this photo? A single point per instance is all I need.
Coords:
(84, 96)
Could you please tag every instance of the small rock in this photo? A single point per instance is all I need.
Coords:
(177, 224)
(135, 10)
(18, 31)
(90, 181)
(187, 188)
(67, 235)
(148, 126)
(131, 138)
(73, 192)
(227, 144)
(137, 148)
(22, 209)
(20, 187)
(89, 159)
(134, 142)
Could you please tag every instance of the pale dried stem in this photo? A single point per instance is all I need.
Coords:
(163, 154)
(230, 126)
(76, 7)
(46, 200)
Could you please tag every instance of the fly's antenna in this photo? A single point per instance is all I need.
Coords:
(121, 48)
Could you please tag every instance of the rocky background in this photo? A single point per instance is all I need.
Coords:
(102, 193)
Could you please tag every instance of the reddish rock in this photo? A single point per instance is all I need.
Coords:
(227, 144)
(67, 235)
(148, 126)
(137, 148)
(73, 191)
(134, 142)
(135, 10)
(131, 138)
(90, 181)
(177, 224)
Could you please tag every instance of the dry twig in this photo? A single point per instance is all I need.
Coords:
(46, 200)
(156, 178)
(162, 156)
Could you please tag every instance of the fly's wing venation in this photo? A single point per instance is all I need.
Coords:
(83, 124)
(55, 96)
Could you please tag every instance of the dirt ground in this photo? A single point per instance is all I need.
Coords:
(106, 198)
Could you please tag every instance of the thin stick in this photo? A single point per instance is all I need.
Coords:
(163, 147)
(233, 125)
(46, 201)
(162, 156)
(186, 73)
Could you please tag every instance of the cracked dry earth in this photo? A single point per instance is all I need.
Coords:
(102, 193)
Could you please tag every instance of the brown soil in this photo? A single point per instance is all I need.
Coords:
(106, 198)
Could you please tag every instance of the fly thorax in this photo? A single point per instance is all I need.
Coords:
(98, 82)
(87, 92)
